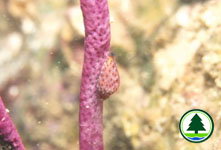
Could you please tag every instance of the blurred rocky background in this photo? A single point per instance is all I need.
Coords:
(169, 58)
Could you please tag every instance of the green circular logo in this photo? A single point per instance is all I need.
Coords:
(196, 125)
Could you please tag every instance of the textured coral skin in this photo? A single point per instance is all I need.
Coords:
(97, 46)
(8, 132)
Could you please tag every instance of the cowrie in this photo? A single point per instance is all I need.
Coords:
(109, 79)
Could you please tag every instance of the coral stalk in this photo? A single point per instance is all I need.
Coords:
(97, 49)
(8, 132)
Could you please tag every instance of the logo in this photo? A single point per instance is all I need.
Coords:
(196, 125)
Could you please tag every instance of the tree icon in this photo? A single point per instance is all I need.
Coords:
(196, 124)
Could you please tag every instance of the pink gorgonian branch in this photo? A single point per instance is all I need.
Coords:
(8, 133)
(100, 77)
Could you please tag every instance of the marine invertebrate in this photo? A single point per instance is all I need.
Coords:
(109, 80)
(97, 51)
(8, 133)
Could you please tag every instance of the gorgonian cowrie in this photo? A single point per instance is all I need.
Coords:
(109, 79)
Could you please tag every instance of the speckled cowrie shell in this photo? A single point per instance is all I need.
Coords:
(109, 79)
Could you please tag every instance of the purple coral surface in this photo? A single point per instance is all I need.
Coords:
(97, 49)
(8, 132)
